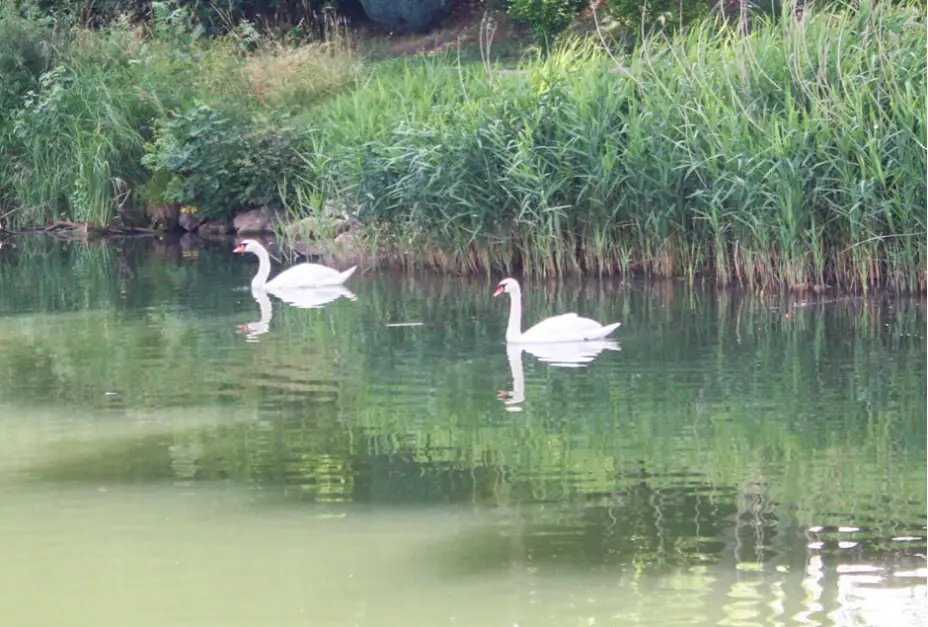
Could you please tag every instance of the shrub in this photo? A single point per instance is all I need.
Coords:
(27, 50)
(219, 162)
(75, 127)
(546, 18)
(667, 16)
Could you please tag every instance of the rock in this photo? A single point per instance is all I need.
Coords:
(348, 249)
(214, 227)
(304, 229)
(255, 221)
(414, 16)
(334, 209)
(163, 216)
(346, 225)
(345, 239)
(307, 249)
(189, 222)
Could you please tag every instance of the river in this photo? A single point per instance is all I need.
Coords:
(177, 450)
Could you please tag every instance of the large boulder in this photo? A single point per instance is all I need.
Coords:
(189, 222)
(255, 221)
(407, 16)
(213, 228)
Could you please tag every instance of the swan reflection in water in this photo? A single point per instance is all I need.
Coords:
(301, 298)
(559, 354)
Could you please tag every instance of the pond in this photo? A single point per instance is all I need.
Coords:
(176, 451)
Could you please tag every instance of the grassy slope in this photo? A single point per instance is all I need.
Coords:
(792, 157)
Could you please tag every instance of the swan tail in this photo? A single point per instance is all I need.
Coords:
(600, 333)
(343, 276)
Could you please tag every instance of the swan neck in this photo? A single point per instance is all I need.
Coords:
(514, 329)
(264, 269)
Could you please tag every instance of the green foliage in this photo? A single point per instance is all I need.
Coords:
(218, 163)
(76, 140)
(546, 18)
(78, 120)
(667, 16)
(28, 51)
(795, 156)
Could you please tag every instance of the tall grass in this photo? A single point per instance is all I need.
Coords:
(80, 119)
(791, 156)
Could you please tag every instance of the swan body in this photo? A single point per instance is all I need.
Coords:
(567, 327)
(300, 275)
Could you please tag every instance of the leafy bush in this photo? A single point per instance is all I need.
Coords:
(79, 111)
(27, 50)
(217, 162)
(545, 18)
(665, 16)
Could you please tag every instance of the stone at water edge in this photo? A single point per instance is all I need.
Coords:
(255, 221)
(302, 228)
(214, 227)
(189, 222)
(166, 216)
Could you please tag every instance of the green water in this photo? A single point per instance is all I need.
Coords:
(740, 461)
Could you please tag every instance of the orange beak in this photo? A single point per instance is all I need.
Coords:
(499, 290)
(239, 249)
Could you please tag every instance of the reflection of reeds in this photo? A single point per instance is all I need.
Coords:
(730, 386)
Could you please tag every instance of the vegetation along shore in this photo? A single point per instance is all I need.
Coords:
(778, 149)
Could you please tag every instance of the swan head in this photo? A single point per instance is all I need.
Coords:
(247, 246)
(507, 285)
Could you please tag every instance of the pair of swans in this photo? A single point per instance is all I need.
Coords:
(567, 327)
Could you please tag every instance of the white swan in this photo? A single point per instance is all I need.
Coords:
(301, 275)
(567, 327)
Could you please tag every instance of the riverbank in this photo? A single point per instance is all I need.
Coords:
(793, 157)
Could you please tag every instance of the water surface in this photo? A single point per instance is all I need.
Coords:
(176, 452)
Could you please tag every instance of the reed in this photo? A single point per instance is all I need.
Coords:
(77, 122)
(793, 156)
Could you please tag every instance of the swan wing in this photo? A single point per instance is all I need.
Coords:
(309, 275)
(567, 327)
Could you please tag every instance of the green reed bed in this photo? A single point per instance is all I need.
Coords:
(791, 156)
(99, 125)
